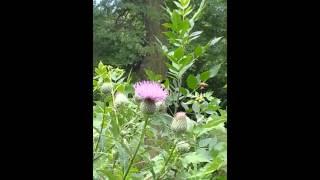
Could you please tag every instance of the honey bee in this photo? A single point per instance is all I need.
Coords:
(203, 85)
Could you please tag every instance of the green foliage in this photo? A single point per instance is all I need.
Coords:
(120, 35)
(118, 32)
(129, 144)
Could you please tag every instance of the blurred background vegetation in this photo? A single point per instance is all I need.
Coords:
(125, 30)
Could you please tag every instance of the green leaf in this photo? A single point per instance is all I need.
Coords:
(178, 4)
(166, 83)
(193, 38)
(208, 142)
(175, 65)
(111, 174)
(152, 76)
(115, 128)
(185, 26)
(192, 81)
(186, 60)
(170, 34)
(184, 105)
(179, 53)
(175, 19)
(184, 69)
(185, 3)
(205, 76)
(188, 11)
(214, 165)
(197, 14)
(196, 157)
(214, 71)
(183, 91)
(214, 41)
(198, 51)
(123, 155)
(213, 122)
(167, 25)
(196, 33)
(196, 107)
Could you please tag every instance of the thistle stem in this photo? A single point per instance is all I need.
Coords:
(166, 163)
(137, 149)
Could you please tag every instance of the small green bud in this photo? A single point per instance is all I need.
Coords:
(183, 146)
(106, 88)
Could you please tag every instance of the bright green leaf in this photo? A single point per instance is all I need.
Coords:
(192, 81)
(198, 51)
(205, 76)
(179, 53)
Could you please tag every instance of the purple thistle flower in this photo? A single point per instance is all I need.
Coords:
(150, 91)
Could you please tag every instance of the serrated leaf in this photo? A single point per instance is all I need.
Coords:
(208, 142)
(196, 157)
(214, 165)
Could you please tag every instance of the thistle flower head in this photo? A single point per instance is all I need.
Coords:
(179, 123)
(149, 90)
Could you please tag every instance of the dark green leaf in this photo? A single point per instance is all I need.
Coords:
(183, 91)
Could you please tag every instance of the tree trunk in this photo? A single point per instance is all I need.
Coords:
(154, 60)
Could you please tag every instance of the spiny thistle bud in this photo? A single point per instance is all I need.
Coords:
(179, 123)
(148, 107)
(106, 88)
(183, 146)
(161, 106)
(120, 99)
